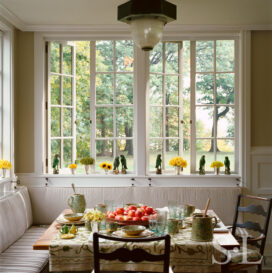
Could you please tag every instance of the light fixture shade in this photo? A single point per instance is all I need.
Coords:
(147, 19)
(146, 32)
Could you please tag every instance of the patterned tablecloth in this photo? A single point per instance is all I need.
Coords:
(186, 255)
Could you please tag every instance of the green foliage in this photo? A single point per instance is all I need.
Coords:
(87, 160)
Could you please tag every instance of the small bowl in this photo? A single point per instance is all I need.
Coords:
(72, 217)
(133, 230)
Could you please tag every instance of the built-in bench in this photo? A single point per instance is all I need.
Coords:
(17, 235)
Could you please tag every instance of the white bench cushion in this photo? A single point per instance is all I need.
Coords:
(16, 217)
(20, 257)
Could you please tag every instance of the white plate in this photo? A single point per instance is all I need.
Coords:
(63, 221)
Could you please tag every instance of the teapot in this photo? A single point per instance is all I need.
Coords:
(77, 203)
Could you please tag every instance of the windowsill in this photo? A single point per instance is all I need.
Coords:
(131, 175)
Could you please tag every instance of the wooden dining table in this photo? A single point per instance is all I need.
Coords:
(225, 240)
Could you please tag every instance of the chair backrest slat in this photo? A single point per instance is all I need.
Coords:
(137, 254)
(254, 209)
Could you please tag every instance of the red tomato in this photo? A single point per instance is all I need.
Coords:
(139, 213)
(128, 218)
(144, 218)
(131, 213)
(149, 210)
(111, 215)
(136, 219)
(119, 217)
(132, 207)
(120, 210)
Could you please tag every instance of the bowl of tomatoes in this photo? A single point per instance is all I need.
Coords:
(131, 214)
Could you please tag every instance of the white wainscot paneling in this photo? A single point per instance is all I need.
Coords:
(262, 170)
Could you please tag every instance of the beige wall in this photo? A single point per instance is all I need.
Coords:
(261, 88)
(24, 101)
(261, 98)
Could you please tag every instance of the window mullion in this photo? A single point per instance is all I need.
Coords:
(236, 108)
(180, 93)
(114, 101)
(61, 109)
(192, 106)
(48, 109)
(74, 103)
(92, 98)
(215, 102)
(163, 109)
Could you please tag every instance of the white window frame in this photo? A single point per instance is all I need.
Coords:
(175, 34)
(114, 105)
(6, 97)
(62, 106)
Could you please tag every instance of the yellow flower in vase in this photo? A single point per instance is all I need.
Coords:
(73, 168)
(179, 163)
(106, 167)
(216, 165)
(5, 165)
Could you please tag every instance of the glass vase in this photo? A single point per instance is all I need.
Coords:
(217, 170)
(179, 169)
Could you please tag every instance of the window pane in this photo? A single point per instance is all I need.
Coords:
(225, 88)
(203, 147)
(124, 88)
(67, 122)
(67, 91)
(155, 91)
(55, 58)
(172, 122)
(186, 152)
(124, 55)
(124, 121)
(67, 60)
(155, 148)
(104, 152)
(67, 152)
(225, 124)
(172, 93)
(104, 122)
(155, 58)
(125, 147)
(205, 89)
(204, 121)
(104, 89)
(83, 99)
(55, 90)
(104, 56)
(204, 56)
(171, 58)
(171, 150)
(55, 121)
(225, 148)
(225, 55)
(155, 126)
(55, 149)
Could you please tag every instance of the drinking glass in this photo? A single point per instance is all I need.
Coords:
(172, 208)
(152, 224)
(161, 227)
(180, 212)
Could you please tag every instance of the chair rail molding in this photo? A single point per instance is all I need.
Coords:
(261, 170)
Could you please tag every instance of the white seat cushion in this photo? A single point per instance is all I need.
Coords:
(251, 254)
(20, 257)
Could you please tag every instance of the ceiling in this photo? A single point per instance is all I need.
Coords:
(26, 14)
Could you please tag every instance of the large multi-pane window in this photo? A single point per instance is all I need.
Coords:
(190, 100)
(90, 102)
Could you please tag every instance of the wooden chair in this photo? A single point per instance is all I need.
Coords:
(262, 209)
(135, 255)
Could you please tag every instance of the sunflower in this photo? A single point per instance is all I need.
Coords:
(109, 166)
(103, 165)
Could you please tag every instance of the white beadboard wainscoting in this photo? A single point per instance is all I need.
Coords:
(261, 184)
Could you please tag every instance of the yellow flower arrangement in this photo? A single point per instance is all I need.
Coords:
(5, 164)
(73, 166)
(178, 161)
(217, 164)
(94, 215)
(105, 165)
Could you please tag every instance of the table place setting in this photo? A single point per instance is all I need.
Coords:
(192, 246)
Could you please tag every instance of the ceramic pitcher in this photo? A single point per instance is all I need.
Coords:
(77, 203)
(202, 228)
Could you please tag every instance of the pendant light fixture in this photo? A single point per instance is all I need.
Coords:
(146, 19)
